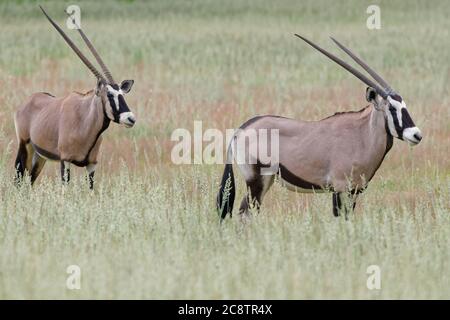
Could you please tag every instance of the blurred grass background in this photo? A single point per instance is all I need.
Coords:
(150, 229)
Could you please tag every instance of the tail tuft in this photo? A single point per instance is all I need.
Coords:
(227, 192)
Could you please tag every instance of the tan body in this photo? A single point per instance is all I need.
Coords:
(72, 125)
(341, 152)
(69, 129)
(61, 129)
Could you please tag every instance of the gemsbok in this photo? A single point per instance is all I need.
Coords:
(339, 154)
(69, 129)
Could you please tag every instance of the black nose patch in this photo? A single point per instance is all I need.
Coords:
(417, 137)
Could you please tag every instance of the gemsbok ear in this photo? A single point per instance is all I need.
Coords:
(126, 85)
(98, 88)
(371, 94)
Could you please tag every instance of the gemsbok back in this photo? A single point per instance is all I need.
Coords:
(339, 154)
(69, 129)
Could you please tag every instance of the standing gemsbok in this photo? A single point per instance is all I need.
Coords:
(69, 129)
(340, 153)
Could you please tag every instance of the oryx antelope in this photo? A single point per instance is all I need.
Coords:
(68, 129)
(340, 153)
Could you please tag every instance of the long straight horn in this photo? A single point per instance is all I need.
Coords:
(346, 66)
(374, 75)
(94, 52)
(75, 49)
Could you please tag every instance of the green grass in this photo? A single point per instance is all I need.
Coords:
(140, 237)
(150, 229)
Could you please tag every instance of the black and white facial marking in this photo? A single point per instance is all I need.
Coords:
(399, 121)
(119, 111)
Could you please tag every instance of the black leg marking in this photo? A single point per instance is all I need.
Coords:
(65, 173)
(90, 168)
(337, 205)
(343, 202)
(91, 180)
(20, 163)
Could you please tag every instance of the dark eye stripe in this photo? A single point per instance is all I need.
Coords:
(407, 121)
(111, 101)
(123, 107)
(396, 123)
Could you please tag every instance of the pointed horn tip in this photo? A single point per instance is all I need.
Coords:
(340, 45)
(304, 39)
(358, 60)
(336, 42)
(46, 14)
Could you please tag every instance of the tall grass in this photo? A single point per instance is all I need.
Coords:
(150, 230)
(140, 237)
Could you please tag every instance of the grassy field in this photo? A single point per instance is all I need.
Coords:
(150, 229)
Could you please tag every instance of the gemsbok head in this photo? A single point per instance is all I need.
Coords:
(68, 129)
(340, 153)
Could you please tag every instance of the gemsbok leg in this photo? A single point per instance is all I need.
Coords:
(36, 166)
(90, 168)
(21, 162)
(257, 188)
(65, 172)
(343, 202)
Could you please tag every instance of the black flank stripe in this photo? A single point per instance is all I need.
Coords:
(296, 181)
(45, 153)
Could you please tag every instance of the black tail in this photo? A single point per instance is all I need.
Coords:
(227, 192)
(20, 163)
